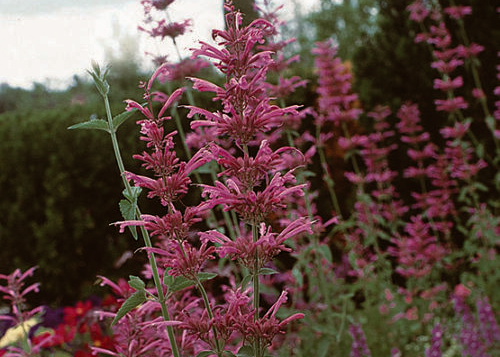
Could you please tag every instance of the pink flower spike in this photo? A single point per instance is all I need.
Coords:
(172, 98)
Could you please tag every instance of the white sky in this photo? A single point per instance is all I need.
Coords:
(49, 41)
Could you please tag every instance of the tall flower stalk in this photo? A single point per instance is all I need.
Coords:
(131, 194)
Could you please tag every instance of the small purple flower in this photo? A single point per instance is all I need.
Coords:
(436, 342)
(359, 347)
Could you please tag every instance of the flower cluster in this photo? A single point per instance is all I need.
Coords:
(46, 331)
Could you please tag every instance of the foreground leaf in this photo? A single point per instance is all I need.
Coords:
(127, 209)
(97, 124)
(131, 303)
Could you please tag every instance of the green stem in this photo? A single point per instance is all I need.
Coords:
(144, 232)
(204, 295)
(328, 179)
(256, 288)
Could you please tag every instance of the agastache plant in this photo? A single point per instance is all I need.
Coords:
(254, 186)
(14, 291)
(257, 181)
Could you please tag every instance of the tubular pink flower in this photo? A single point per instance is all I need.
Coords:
(451, 104)
(447, 67)
(267, 246)
(448, 84)
(250, 205)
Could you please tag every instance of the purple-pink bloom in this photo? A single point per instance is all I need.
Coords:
(264, 249)
(436, 342)
(359, 347)
(253, 206)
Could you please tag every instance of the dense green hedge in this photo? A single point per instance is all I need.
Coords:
(60, 192)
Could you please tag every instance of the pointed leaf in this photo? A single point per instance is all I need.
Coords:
(132, 302)
(297, 274)
(207, 168)
(121, 118)
(136, 283)
(325, 251)
(98, 124)
(206, 276)
(180, 283)
(267, 271)
(127, 210)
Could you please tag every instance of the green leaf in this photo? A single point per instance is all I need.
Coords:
(135, 192)
(325, 252)
(324, 346)
(136, 283)
(180, 283)
(207, 168)
(132, 302)
(297, 274)
(245, 281)
(100, 78)
(127, 210)
(229, 353)
(206, 276)
(168, 280)
(121, 118)
(205, 353)
(480, 150)
(267, 271)
(246, 351)
(92, 124)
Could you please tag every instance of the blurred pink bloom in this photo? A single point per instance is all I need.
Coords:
(418, 11)
(458, 12)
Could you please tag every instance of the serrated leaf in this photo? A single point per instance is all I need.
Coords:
(121, 118)
(206, 276)
(180, 283)
(127, 210)
(245, 351)
(133, 195)
(205, 353)
(267, 271)
(136, 283)
(131, 303)
(93, 124)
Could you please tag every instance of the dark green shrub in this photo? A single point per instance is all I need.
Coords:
(60, 192)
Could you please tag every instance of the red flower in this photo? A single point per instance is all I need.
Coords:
(73, 314)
